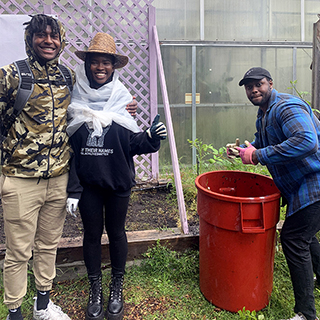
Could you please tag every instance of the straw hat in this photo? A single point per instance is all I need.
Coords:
(104, 43)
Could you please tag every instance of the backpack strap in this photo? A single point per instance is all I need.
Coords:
(25, 89)
(66, 73)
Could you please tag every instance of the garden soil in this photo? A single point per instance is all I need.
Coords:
(150, 207)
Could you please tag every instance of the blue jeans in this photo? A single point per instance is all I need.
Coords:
(302, 251)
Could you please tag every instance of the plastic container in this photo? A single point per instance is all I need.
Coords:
(238, 214)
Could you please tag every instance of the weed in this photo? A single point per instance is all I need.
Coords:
(283, 211)
(302, 94)
(204, 150)
(210, 159)
(246, 314)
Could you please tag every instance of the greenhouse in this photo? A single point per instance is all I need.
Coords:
(177, 218)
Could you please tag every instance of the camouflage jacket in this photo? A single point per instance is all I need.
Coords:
(37, 143)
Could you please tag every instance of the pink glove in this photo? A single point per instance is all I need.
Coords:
(246, 153)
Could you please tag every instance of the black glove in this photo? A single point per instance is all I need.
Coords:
(158, 130)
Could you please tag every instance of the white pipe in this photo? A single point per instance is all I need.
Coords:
(201, 20)
(302, 21)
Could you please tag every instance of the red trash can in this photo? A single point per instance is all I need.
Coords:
(238, 214)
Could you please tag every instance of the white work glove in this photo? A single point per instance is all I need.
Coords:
(72, 205)
(232, 152)
(158, 130)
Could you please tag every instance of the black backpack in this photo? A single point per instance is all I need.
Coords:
(26, 85)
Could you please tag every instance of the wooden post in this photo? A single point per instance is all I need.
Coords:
(316, 66)
(172, 143)
(153, 87)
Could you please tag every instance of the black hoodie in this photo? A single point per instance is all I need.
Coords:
(106, 161)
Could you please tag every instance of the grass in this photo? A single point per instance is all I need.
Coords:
(166, 286)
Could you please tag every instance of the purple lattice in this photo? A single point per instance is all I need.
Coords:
(128, 22)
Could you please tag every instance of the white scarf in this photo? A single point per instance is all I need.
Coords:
(99, 107)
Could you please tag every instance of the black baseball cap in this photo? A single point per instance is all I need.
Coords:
(256, 73)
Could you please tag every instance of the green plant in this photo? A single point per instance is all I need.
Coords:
(203, 151)
(246, 314)
(283, 211)
(209, 159)
(303, 95)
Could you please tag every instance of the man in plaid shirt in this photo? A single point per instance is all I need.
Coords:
(287, 142)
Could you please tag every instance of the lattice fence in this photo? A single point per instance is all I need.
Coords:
(127, 21)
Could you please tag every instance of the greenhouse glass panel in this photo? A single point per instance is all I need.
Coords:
(177, 20)
(236, 20)
(285, 20)
(279, 63)
(250, 20)
(219, 70)
(178, 73)
(304, 73)
(182, 126)
(226, 113)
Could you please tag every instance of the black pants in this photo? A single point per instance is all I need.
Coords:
(302, 252)
(97, 207)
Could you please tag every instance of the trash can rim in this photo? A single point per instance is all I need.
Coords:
(267, 198)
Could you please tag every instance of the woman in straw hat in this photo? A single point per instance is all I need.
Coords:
(104, 138)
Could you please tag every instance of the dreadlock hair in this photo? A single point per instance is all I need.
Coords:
(39, 23)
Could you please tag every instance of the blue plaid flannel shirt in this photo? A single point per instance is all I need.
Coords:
(287, 140)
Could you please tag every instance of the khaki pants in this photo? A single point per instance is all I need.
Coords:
(34, 214)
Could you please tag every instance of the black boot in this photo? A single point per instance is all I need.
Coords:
(115, 305)
(95, 304)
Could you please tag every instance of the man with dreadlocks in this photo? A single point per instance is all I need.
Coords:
(35, 170)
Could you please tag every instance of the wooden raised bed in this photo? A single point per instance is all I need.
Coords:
(70, 258)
